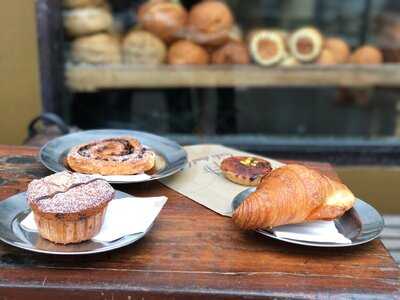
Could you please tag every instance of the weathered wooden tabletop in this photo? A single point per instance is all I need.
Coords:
(190, 253)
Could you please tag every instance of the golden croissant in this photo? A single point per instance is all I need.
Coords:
(293, 194)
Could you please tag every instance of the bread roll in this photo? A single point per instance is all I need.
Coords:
(165, 19)
(142, 47)
(367, 55)
(231, 53)
(89, 20)
(326, 58)
(187, 53)
(96, 49)
(339, 49)
(210, 23)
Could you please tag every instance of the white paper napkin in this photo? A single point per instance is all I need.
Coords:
(318, 231)
(127, 178)
(124, 216)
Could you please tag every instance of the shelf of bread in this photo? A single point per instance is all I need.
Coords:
(207, 46)
(87, 78)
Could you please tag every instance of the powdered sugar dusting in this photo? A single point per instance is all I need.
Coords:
(67, 192)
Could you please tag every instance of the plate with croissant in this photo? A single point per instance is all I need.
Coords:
(308, 203)
(118, 156)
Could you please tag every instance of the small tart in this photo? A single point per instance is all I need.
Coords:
(245, 170)
(267, 48)
(113, 156)
(69, 207)
(306, 44)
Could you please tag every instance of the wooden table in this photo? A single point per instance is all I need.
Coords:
(190, 253)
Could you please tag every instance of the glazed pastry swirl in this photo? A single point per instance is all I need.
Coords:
(114, 156)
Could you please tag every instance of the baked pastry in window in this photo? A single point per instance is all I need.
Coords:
(100, 48)
(88, 20)
(306, 44)
(210, 23)
(267, 47)
(234, 53)
(166, 19)
(339, 49)
(187, 53)
(142, 47)
(367, 55)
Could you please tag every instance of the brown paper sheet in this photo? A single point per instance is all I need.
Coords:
(202, 180)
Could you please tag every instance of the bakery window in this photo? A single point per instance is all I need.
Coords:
(291, 78)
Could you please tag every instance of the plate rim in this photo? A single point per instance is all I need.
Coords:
(320, 244)
(134, 238)
(172, 172)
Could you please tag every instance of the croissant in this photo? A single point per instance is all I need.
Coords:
(293, 194)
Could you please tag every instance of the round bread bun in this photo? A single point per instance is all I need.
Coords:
(245, 170)
(187, 53)
(88, 20)
(163, 18)
(306, 44)
(142, 47)
(326, 58)
(338, 48)
(81, 3)
(234, 53)
(367, 55)
(100, 48)
(267, 48)
(210, 23)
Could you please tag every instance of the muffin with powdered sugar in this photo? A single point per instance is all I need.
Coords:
(69, 207)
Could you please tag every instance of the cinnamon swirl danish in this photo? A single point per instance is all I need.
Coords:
(113, 156)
